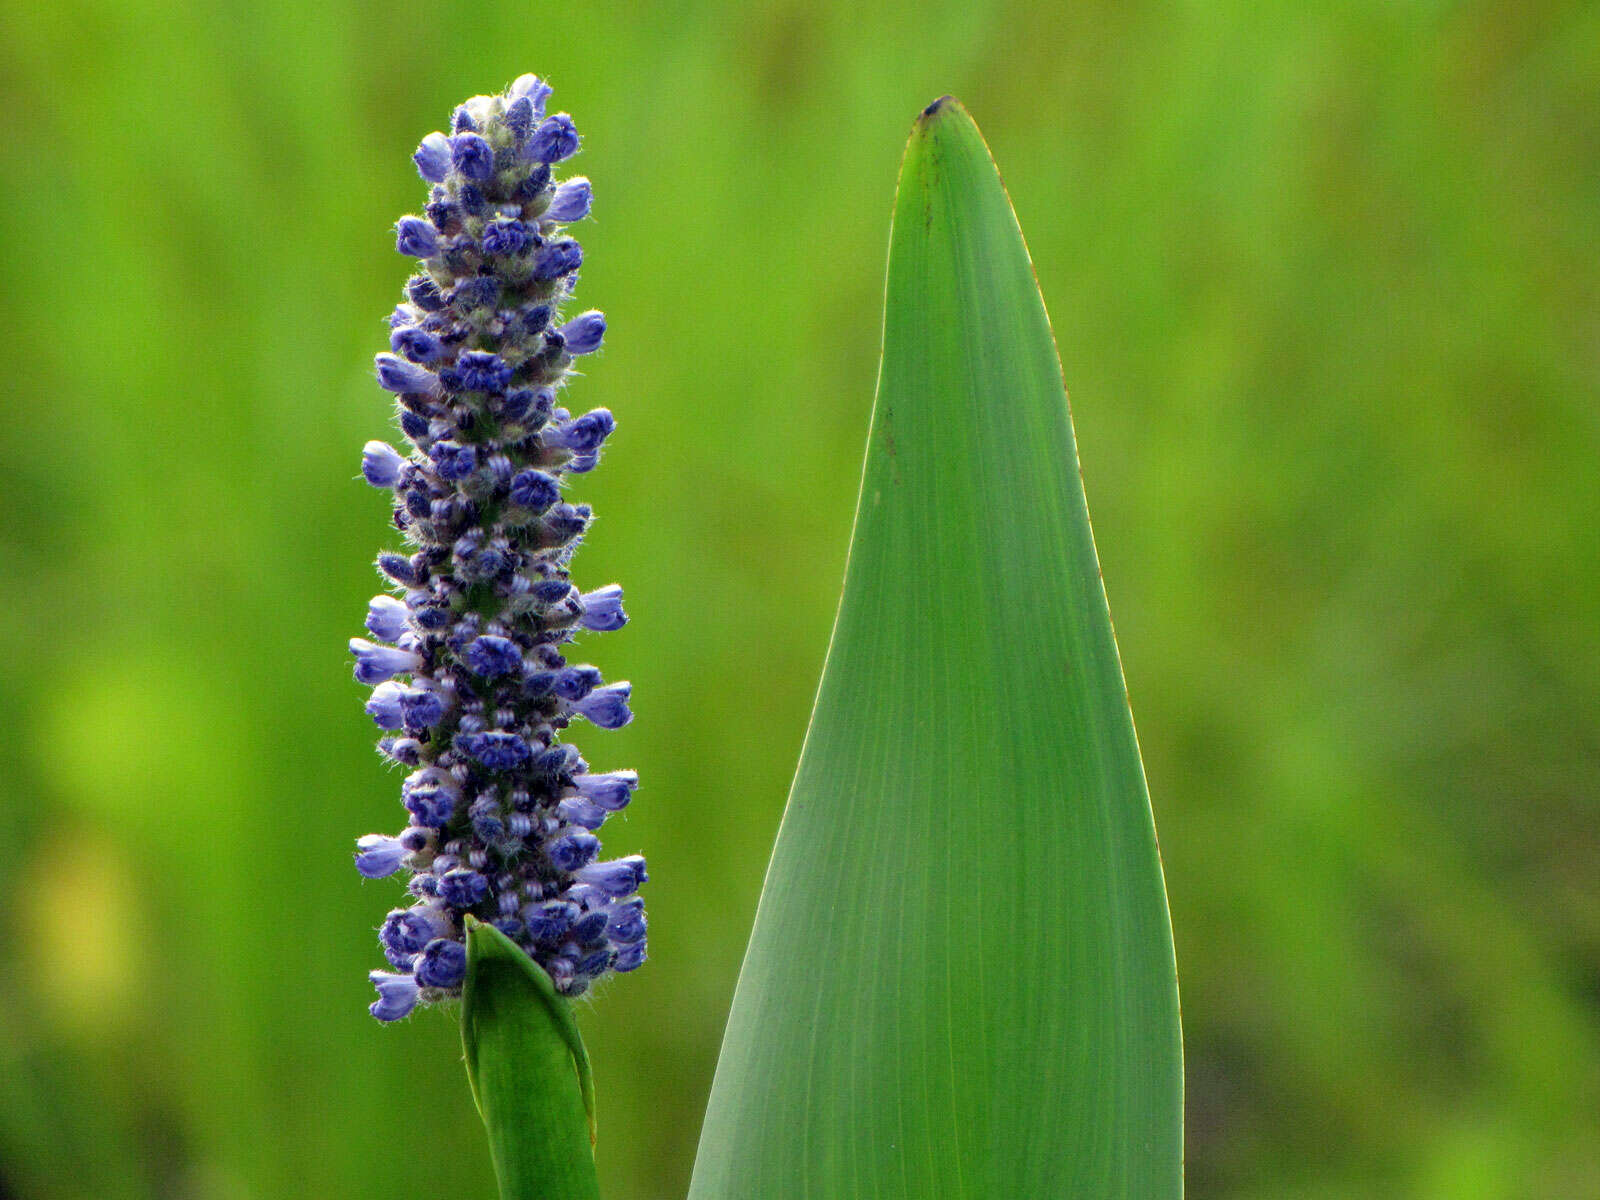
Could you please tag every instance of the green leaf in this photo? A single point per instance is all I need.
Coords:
(961, 978)
(529, 1073)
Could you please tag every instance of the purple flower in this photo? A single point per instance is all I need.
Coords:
(397, 375)
(415, 345)
(381, 464)
(555, 139)
(610, 791)
(470, 678)
(397, 995)
(584, 333)
(378, 856)
(602, 609)
(534, 88)
(386, 618)
(443, 964)
(415, 237)
(375, 663)
(505, 237)
(490, 656)
(433, 158)
(618, 878)
(472, 156)
(571, 201)
(607, 707)
(557, 258)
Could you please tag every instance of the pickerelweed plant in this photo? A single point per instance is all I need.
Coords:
(467, 656)
(961, 980)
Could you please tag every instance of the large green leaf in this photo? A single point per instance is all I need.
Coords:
(961, 978)
(529, 1073)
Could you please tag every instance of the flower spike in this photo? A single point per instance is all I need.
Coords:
(470, 682)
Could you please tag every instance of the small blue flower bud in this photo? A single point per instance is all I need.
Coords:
(627, 921)
(384, 705)
(530, 188)
(430, 806)
(505, 237)
(413, 425)
(557, 258)
(462, 121)
(397, 375)
(574, 683)
(381, 464)
(527, 405)
(602, 609)
(462, 889)
(420, 710)
(549, 921)
(399, 568)
(378, 856)
(415, 345)
(534, 88)
(475, 294)
(496, 751)
(416, 237)
(576, 810)
(555, 139)
(607, 707)
(534, 489)
(407, 930)
(452, 460)
(595, 963)
(589, 928)
(571, 201)
(611, 791)
(386, 618)
(617, 878)
(628, 958)
(433, 158)
(582, 435)
(443, 964)
(402, 750)
(424, 293)
(397, 995)
(519, 117)
(490, 656)
(573, 851)
(479, 371)
(375, 663)
(472, 156)
(584, 333)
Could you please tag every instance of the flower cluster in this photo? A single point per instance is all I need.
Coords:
(465, 663)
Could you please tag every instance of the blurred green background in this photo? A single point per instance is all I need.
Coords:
(1324, 281)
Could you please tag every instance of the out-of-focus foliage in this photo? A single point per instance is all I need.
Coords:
(1325, 289)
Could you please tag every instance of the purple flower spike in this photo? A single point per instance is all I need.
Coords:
(469, 674)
